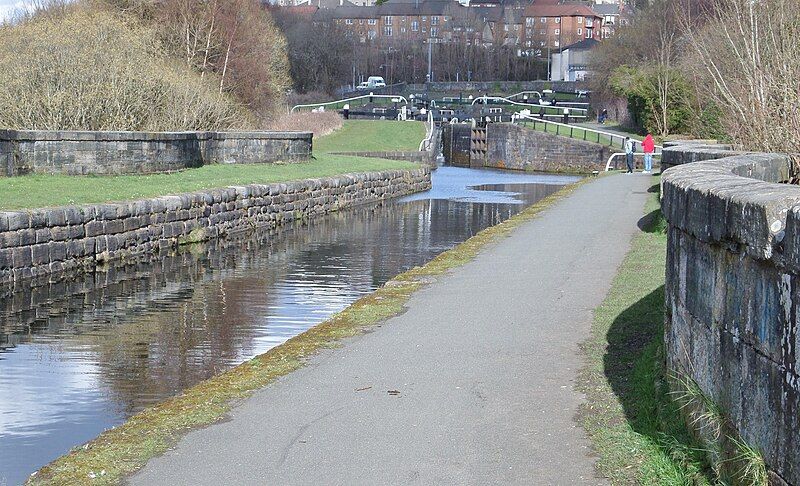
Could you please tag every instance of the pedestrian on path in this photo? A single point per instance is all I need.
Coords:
(648, 147)
(629, 149)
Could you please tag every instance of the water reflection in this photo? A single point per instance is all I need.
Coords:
(80, 356)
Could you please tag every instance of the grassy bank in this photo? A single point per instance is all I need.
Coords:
(35, 191)
(573, 131)
(124, 449)
(633, 421)
(372, 136)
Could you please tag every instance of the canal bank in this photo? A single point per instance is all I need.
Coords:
(472, 384)
(83, 355)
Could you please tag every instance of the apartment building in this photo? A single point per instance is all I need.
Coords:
(552, 26)
(533, 28)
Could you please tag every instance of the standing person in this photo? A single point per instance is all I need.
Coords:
(648, 147)
(629, 149)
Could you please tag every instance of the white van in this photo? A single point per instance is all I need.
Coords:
(376, 82)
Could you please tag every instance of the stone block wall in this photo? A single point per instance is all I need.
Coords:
(516, 147)
(733, 291)
(112, 153)
(44, 242)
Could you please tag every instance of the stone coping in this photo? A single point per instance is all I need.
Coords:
(38, 218)
(735, 198)
(78, 135)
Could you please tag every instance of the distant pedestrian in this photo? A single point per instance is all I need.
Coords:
(629, 150)
(648, 147)
(346, 111)
(603, 116)
(566, 116)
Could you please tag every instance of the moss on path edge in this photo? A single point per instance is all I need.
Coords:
(123, 450)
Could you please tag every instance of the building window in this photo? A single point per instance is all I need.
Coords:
(371, 34)
(434, 20)
(588, 34)
(580, 31)
(557, 32)
(558, 20)
(372, 21)
(387, 31)
(580, 20)
(544, 20)
(387, 20)
(348, 21)
(403, 30)
(434, 32)
(414, 26)
(424, 19)
(556, 43)
(529, 21)
(360, 21)
(505, 27)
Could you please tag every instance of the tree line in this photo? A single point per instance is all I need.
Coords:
(323, 58)
(723, 69)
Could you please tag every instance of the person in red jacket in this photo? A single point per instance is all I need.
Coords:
(648, 147)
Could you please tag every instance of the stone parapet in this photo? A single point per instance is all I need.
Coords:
(733, 290)
(47, 242)
(113, 153)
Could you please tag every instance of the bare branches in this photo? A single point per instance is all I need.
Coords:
(749, 54)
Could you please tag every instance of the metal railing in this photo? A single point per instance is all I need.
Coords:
(346, 100)
(425, 145)
(517, 103)
(588, 134)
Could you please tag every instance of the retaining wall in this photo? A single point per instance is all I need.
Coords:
(112, 153)
(45, 242)
(733, 291)
(516, 147)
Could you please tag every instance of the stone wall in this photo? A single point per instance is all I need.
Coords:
(45, 242)
(516, 147)
(111, 153)
(733, 291)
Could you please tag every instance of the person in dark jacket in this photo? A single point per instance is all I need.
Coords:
(630, 148)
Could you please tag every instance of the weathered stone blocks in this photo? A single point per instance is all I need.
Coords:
(45, 241)
(733, 290)
(80, 153)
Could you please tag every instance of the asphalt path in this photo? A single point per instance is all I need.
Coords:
(473, 384)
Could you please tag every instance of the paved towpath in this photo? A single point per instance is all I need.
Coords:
(484, 360)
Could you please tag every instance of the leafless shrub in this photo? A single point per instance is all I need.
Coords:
(92, 69)
(320, 124)
(748, 58)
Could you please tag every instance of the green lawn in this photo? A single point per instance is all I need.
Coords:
(35, 191)
(632, 419)
(573, 132)
(373, 136)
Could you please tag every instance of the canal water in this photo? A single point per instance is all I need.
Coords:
(80, 356)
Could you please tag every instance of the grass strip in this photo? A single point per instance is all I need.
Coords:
(37, 191)
(633, 421)
(123, 450)
(373, 136)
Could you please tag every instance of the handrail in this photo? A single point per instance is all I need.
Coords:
(524, 93)
(611, 136)
(620, 154)
(425, 144)
(309, 105)
(512, 102)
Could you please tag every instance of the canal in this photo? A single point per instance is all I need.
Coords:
(81, 355)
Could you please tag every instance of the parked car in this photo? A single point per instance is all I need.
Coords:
(363, 86)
